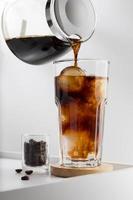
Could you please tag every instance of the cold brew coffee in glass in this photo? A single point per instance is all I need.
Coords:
(81, 96)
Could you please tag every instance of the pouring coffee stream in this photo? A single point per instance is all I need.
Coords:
(75, 44)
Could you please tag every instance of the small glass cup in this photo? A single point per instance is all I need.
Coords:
(81, 96)
(35, 152)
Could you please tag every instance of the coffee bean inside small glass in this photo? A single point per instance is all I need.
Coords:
(35, 153)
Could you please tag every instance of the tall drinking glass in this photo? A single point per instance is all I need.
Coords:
(81, 96)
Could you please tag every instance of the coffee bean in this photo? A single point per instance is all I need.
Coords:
(29, 172)
(25, 178)
(18, 171)
(35, 153)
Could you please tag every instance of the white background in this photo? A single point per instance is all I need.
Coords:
(27, 92)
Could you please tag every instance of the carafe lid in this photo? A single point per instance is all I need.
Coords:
(71, 19)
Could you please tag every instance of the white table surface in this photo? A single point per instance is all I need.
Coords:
(116, 185)
(10, 180)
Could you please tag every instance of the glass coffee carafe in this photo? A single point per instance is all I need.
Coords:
(38, 31)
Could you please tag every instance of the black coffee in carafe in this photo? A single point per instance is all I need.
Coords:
(37, 50)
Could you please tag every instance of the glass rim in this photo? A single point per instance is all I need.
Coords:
(35, 135)
(83, 60)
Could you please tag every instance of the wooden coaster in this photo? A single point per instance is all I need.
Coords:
(61, 171)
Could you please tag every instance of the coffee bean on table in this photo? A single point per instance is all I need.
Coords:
(18, 171)
(25, 178)
(29, 172)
